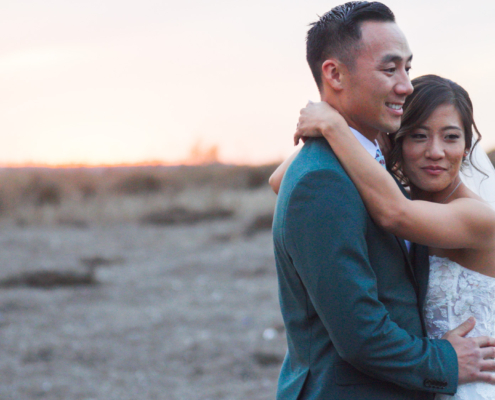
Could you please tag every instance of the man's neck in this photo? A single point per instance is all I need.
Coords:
(369, 133)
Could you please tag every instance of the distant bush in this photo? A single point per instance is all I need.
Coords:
(258, 176)
(3, 205)
(48, 279)
(49, 194)
(81, 195)
(87, 190)
(223, 176)
(180, 215)
(139, 184)
(258, 224)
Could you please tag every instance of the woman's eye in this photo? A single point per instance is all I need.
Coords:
(418, 136)
(453, 136)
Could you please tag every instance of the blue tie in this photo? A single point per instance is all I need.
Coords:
(379, 157)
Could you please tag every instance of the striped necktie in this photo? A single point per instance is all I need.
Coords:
(379, 157)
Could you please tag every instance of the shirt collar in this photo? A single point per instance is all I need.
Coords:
(370, 146)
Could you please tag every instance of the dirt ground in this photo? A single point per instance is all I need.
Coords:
(185, 312)
(138, 283)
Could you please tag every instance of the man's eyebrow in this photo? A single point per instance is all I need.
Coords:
(394, 58)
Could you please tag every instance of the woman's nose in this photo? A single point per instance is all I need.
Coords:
(435, 150)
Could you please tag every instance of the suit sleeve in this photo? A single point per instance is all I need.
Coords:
(325, 236)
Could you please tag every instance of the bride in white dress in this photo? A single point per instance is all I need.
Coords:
(453, 207)
(456, 293)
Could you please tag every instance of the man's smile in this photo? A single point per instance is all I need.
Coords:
(396, 108)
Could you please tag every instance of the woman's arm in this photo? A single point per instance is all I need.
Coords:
(277, 176)
(463, 223)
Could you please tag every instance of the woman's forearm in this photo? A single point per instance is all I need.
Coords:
(276, 178)
(423, 222)
(463, 223)
(380, 193)
(377, 188)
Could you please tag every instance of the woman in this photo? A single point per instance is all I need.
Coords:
(457, 224)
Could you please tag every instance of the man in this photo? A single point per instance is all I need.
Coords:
(349, 294)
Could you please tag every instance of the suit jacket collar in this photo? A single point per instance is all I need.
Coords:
(402, 243)
(406, 254)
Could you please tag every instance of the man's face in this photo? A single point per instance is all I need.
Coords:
(377, 86)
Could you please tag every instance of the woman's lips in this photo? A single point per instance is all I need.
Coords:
(433, 170)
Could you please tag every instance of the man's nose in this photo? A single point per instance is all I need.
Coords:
(404, 86)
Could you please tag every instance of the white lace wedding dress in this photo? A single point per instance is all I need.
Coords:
(454, 294)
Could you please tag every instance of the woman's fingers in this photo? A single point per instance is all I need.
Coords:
(296, 138)
(310, 119)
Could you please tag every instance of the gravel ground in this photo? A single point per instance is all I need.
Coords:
(182, 312)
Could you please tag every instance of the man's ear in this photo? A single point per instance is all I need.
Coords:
(332, 72)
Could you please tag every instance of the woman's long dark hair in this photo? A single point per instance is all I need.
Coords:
(430, 92)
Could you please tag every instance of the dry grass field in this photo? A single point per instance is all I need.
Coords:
(138, 283)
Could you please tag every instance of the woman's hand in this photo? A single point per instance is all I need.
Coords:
(318, 119)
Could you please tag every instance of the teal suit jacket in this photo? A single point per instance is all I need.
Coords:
(349, 295)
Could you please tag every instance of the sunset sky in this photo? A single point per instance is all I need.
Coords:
(127, 81)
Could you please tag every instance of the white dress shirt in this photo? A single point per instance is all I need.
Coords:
(370, 146)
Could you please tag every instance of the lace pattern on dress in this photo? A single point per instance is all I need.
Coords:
(454, 294)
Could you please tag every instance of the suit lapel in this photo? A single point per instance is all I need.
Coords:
(405, 252)
(418, 264)
(401, 242)
(421, 266)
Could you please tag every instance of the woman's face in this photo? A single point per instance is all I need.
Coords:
(432, 153)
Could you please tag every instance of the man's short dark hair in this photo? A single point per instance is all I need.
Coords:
(337, 33)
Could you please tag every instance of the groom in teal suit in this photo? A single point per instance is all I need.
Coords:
(350, 296)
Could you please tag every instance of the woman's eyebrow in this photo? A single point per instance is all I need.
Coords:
(446, 128)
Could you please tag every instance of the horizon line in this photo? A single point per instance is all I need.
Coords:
(124, 164)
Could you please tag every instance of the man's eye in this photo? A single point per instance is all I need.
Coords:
(407, 70)
(390, 70)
